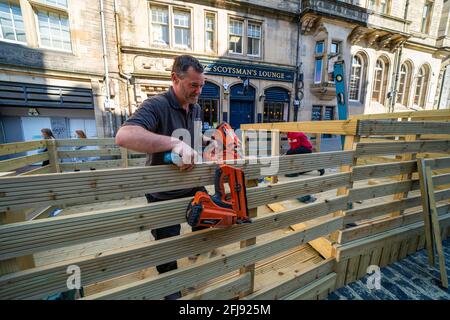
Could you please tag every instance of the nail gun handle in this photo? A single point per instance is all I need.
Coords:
(218, 184)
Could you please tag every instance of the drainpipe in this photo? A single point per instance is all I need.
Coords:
(297, 67)
(107, 104)
(123, 75)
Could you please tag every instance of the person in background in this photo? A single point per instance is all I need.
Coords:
(81, 135)
(47, 134)
(300, 144)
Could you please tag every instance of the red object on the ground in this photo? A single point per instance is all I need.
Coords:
(298, 139)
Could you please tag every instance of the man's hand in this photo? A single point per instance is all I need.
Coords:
(187, 155)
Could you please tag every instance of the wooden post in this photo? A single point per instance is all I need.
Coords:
(318, 141)
(427, 177)
(53, 155)
(275, 148)
(124, 156)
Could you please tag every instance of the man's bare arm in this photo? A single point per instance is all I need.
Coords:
(138, 139)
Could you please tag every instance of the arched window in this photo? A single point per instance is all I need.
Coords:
(356, 78)
(404, 84)
(421, 86)
(380, 80)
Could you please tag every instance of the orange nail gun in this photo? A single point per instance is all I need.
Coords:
(221, 210)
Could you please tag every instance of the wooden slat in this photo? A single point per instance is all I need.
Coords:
(40, 170)
(341, 127)
(440, 114)
(392, 127)
(440, 163)
(85, 187)
(49, 279)
(74, 229)
(98, 164)
(225, 290)
(387, 148)
(370, 229)
(383, 170)
(382, 190)
(89, 153)
(19, 162)
(17, 147)
(158, 287)
(85, 142)
(278, 290)
(314, 289)
(348, 250)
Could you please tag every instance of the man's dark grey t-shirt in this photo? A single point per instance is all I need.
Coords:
(162, 114)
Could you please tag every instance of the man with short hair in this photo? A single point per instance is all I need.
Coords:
(151, 127)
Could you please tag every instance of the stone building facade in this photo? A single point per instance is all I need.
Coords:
(51, 68)
(265, 60)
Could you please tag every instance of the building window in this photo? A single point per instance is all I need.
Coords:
(254, 39)
(381, 6)
(426, 17)
(182, 25)
(380, 81)
(404, 84)
(61, 3)
(334, 50)
(323, 113)
(273, 111)
(11, 23)
(355, 78)
(236, 32)
(210, 110)
(318, 69)
(421, 87)
(54, 31)
(160, 25)
(210, 31)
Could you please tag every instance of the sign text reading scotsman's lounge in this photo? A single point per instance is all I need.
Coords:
(277, 74)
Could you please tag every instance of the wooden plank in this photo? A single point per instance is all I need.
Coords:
(124, 157)
(99, 164)
(403, 249)
(157, 287)
(393, 127)
(412, 245)
(85, 187)
(224, 290)
(275, 148)
(383, 170)
(249, 269)
(436, 226)
(407, 176)
(101, 224)
(372, 228)
(340, 127)
(19, 162)
(395, 249)
(18, 147)
(53, 156)
(376, 256)
(363, 264)
(314, 289)
(341, 272)
(323, 246)
(382, 190)
(440, 114)
(439, 163)
(294, 282)
(352, 269)
(426, 211)
(389, 148)
(385, 255)
(89, 153)
(346, 251)
(85, 142)
(115, 263)
(40, 170)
